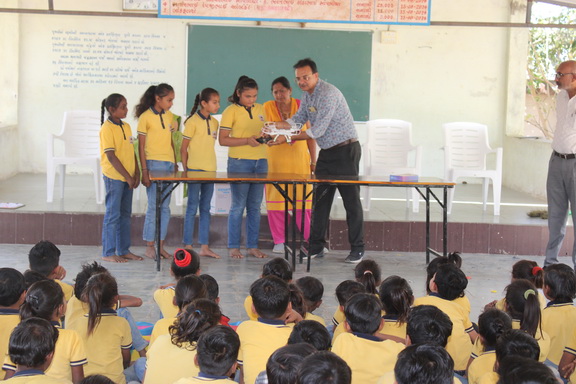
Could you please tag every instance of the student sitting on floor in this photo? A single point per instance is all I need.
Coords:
(170, 357)
(313, 333)
(282, 366)
(185, 262)
(216, 356)
(31, 348)
(12, 294)
(324, 367)
(45, 300)
(522, 370)
(432, 267)
(278, 267)
(397, 299)
(44, 258)
(313, 290)
(213, 294)
(344, 291)
(368, 356)
(260, 338)
(424, 364)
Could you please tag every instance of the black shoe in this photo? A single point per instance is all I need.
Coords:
(354, 257)
(304, 253)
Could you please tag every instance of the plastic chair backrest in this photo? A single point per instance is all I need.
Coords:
(81, 133)
(389, 143)
(466, 145)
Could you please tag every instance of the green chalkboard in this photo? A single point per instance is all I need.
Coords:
(218, 55)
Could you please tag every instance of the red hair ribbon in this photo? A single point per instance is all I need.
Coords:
(535, 270)
(185, 261)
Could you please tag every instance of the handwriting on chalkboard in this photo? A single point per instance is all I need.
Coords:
(88, 58)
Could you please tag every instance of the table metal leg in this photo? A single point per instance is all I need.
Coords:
(158, 213)
(445, 222)
(427, 225)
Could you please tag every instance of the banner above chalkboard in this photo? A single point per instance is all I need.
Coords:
(320, 11)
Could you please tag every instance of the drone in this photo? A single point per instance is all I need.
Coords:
(271, 130)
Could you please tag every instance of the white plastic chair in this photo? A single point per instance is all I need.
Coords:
(81, 136)
(465, 151)
(388, 151)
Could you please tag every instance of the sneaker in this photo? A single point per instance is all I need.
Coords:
(304, 253)
(354, 257)
(278, 248)
(326, 251)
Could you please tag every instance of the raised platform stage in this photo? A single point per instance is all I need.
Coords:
(389, 225)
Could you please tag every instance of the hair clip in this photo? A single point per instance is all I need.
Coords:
(368, 271)
(535, 270)
(528, 293)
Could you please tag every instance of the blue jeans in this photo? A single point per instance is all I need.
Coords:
(245, 196)
(150, 220)
(116, 225)
(198, 195)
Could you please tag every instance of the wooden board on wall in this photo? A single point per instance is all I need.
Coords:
(218, 56)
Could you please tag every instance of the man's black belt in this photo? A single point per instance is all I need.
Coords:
(565, 156)
(349, 141)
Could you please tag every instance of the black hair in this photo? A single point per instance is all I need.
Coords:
(42, 299)
(324, 367)
(396, 297)
(283, 81)
(491, 324)
(188, 289)
(424, 364)
(522, 303)
(451, 281)
(244, 83)
(307, 62)
(205, 95)
(87, 271)
(278, 267)
(432, 267)
(561, 282)
(347, 289)
(148, 99)
(515, 342)
(217, 350)
(44, 257)
(211, 286)
(282, 366)
(112, 101)
(363, 313)
(100, 293)
(428, 324)
(271, 296)
(522, 370)
(311, 288)
(30, 277)
(529, 270)
(11, 286)
(185, 262)
(193, 320)
(311, 332)
(297, 300)
(368, 273)
(31, 342)
(96, 379)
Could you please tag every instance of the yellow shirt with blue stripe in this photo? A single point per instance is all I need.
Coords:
(481, 365)
(165, 299)
(34, 376)
(167, 363)
(9, 319)
(244, 122)
(201, 131)
(162, 327)
(559, 322)
(202, 378)
(158, 128)
(117, 138)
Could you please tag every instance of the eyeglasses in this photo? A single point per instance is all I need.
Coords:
(305, 78)
(559, 75)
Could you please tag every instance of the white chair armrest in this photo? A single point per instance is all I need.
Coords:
(499, 159)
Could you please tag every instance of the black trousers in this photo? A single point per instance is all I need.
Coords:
(338, 161)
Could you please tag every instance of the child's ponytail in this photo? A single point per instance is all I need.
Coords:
(397, 297)
(244, 82)
(522, 303)
(148, 99)
(188, 289)
(102, 111)
(42, 300)
(204, 96)
(112, 101)
(194, 107)
(193, 320)
(100, 292)
(368, 273)
(529, 270)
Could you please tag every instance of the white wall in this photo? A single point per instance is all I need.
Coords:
(431, 75)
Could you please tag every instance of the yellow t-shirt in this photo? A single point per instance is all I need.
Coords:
(489, 378)
(558, 321)
(242, 122)
(158, 137)
(311, 316)
(69, 352)
(75, 310)
(166, 363)
(34, 377)
(389, 378)
(339, 316)
(67, 289)
(464, 302)
(258, 340)
(248, 302)
(394, 327)
(203, 380)
(117, 138)
(571, 349)
(367, 357)
(480, 366)
(165, 300)
(201, 132)
(459, 344)
(161, 328)
(501, 304)
(104, 345)
(9, 319)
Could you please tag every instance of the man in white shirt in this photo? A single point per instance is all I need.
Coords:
(561, 183)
